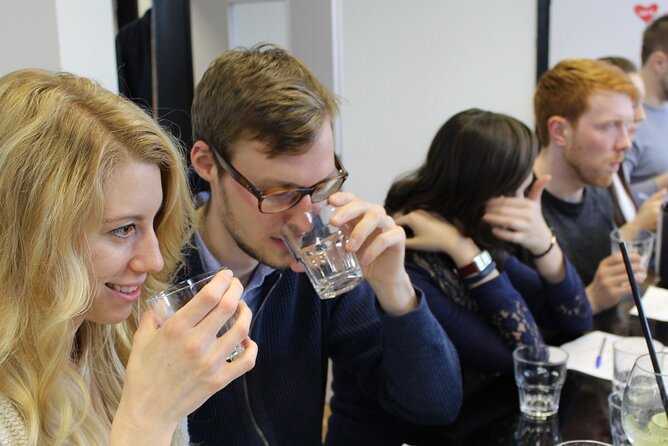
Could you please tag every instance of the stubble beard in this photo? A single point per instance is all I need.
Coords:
(594, 179)
(232, 226)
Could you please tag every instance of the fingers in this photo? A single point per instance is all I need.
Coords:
(374, 246)
(236, 332)
(371, 230)
(209, 297)
(226, 308)
(612, 272)
(364, 219)
(538, 187)
(508, 235)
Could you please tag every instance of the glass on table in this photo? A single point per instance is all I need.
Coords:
(540, 372)
(625, 353)
(615, 414)
(169, 301)
(583, 443)
(643, 414)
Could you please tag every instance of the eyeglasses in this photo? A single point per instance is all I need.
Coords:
(279, 199)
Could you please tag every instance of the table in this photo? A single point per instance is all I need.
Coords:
(492, 417)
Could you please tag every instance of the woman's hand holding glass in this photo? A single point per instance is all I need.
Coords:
(174, 368)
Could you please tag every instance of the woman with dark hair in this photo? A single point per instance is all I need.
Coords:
(470, 220)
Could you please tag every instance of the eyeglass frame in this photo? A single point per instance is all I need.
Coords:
(261, 195)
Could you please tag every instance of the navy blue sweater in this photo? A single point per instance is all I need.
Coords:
(406, 364)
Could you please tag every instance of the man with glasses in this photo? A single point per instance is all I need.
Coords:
(262, 126)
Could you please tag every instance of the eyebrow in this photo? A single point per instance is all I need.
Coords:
(266, 184)
(124, 218)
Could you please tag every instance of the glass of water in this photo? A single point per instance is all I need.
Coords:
(321, 248)
(169, 301)
(540, 372)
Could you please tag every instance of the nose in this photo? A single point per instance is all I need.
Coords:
(147, 257)
(639, 113)
(295, 215)
(624, 140)
(304, 205)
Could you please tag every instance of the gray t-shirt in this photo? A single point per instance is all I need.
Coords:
(582, 229)
(649, 155)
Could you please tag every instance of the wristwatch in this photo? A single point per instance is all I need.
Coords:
(479, 263)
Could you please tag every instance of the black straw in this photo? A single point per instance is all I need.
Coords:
(644, 325)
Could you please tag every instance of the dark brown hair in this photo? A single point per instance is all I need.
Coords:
(476, 155)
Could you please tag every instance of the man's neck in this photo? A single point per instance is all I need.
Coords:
(654, 95)
(565, 183)
(222, 246)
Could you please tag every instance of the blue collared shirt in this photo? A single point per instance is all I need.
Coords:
(251, 294)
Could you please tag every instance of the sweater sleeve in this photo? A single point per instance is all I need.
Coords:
(562, 307)
(405, 363)
(486, 337)
(12, 428)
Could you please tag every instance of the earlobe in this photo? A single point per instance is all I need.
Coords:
(559, 129)
(201, 159)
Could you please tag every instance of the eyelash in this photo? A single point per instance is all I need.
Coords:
(124, 231)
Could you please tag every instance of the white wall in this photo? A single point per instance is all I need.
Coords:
(408, 66)
(29, 35)
(579, 30)
(71, 35)
(86, 38)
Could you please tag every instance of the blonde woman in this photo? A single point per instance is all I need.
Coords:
(94, 214)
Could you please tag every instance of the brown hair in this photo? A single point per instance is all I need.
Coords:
(474, 156)
(260, 93)
(655, 38)
(565, 90)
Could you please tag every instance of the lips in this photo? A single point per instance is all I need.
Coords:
(127, 292)
(122, 289)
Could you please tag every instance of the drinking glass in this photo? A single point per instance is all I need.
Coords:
(583, 443)
(615, 415)
(540, 372)
(643, 416)
(321, 248)
(625, 351)
(638, 241)
(169, 301)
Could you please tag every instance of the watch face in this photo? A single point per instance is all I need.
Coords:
(479, 263)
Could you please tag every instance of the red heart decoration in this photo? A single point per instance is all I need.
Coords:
(646, 13)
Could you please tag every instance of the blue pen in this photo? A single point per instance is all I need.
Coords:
(599, 358)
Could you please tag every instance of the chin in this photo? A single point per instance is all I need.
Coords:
(600, 181)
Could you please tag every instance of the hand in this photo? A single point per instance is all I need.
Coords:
(380, 245)
(520, 220)
(435, 234)
(611, 282)
(173, 369)
(648, 213)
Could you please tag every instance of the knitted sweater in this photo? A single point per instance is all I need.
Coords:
(13, 431)
(405, 364)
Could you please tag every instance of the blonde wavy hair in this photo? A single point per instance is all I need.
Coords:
(61, 136)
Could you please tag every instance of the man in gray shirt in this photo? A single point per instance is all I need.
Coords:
(647, 161)
(584, 112)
